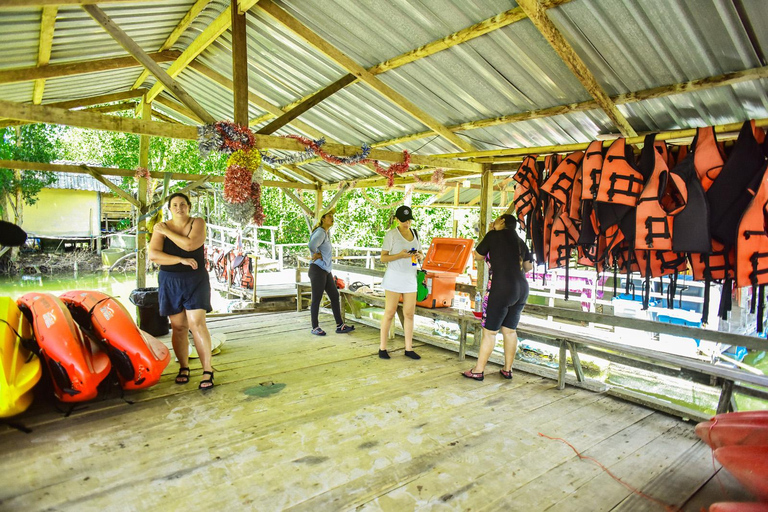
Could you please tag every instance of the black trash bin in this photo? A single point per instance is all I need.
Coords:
(150, 320)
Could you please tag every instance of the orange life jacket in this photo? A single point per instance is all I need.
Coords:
(620, 180)
(592, 165)
(663, 197)
(708, 159)
(752, 244)
(560, 183)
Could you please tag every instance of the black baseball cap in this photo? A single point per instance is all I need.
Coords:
(404, 213)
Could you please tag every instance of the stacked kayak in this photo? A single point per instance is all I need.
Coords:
(76, 364)
(20, 369)
(138, 357)
(740, 444)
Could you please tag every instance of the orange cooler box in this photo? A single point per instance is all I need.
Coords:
(444, 261)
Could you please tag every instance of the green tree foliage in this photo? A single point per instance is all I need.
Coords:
(30, 143)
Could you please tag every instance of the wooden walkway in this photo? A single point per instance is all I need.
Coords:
(311, 423)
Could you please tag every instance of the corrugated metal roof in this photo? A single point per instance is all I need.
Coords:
(629, 45)
(65, 180)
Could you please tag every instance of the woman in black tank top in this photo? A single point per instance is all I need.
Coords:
(184, 289)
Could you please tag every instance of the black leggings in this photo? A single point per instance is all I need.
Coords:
(322, 281)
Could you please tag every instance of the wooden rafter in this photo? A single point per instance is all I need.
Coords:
(134, 49)
(164, 118)
(130, 173)
(47, 24)
(44, 3)
(306, 209)
(295, 26)
(538, 16)
(178, 108)
(243, 6)
(175, 34)
(296, 111)
(46, 114)
(111, 186)
(462, 36)
(196, 47)
(79, 68)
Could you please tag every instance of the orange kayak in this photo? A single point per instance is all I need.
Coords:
(732, 506)
(743, 430)
(139, 358)
(749, 465)
(77, 365)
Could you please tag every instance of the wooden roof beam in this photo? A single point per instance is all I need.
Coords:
(299, 29)
(179, 109)
(46, 114)
(78, 68)
(621, 99)
(195, 48)
(47, 24)
(538, 16)
(134, 49)
(175, 34)
(44, 3)
(725, 132)
(130, 173)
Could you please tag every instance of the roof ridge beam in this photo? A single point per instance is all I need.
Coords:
(53, 115)
(538, 16)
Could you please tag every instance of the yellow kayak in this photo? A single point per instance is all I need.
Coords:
(19, 368)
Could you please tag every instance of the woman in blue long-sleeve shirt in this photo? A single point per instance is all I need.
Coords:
(321, 277)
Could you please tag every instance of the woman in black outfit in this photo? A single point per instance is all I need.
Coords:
(508, 259)
(184, 289)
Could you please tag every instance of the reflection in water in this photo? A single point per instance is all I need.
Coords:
(117, 285)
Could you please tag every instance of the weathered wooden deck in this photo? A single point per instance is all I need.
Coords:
(302, 422)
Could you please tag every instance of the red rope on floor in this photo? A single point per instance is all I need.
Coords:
(669, 508)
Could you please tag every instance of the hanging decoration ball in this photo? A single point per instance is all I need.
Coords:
(237, 184)
(241, 213)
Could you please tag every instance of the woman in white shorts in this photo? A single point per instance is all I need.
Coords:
(401, 251)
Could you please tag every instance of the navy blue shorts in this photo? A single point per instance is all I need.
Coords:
(179, 291)
(504, 310)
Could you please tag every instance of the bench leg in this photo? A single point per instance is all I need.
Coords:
(562, 367)
(462, 339)
(299, 305)
(726, 394)
(576, 361)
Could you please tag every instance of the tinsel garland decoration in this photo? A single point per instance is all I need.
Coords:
(316, 147)
(241, 213)
(296, 158)
(234, 137)
(237, 184)
(393, 170)
(258, 216)
(245, 158)
(143, 172)
(208, 139)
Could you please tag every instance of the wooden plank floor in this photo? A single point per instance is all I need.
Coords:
(300, 422)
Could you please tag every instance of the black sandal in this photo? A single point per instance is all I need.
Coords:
(206, 381)
(182, 378)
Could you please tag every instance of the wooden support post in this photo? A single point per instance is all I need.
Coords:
(318, 204)
(456, 191)
(562, 366)
(724, 405)
(576, 361)
(255, 297)
(462, 339)
(141, 236)
(239, 65)
(486, 196)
